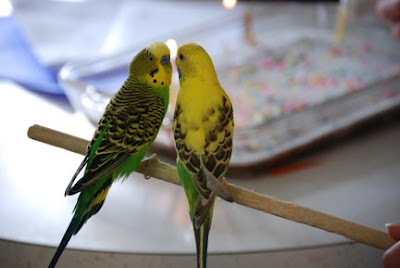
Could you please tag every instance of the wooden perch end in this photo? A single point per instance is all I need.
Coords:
(244, 197)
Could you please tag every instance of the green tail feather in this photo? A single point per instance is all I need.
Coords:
(201, 236)
(82, 213)
(75, 222)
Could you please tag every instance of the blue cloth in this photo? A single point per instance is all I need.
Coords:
(19, 64)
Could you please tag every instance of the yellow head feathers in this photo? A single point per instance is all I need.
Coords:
(152, 66)
(194, 62)
(159, 50)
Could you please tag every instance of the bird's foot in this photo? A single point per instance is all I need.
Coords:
(217, 186)
(202, 208)
(146, 163)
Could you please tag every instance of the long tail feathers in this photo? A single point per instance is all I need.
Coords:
(201, 220)
(201, 236)
(75, 222)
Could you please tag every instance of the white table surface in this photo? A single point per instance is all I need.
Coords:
(357, 179)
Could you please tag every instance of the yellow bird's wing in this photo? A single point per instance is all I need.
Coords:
(217, 125)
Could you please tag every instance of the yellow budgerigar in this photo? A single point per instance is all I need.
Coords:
(203, 131)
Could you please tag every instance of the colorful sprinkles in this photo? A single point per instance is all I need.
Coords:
(299, 75)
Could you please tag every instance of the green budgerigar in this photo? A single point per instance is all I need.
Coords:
(123, 136)
(203, 132)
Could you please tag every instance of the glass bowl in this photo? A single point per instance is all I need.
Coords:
(292, 85)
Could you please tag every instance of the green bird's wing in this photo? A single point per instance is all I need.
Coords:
(121, 134)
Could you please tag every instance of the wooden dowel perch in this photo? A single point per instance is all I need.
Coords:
(244, 197)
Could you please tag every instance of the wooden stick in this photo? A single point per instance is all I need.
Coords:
(244, 197)
(58, 139)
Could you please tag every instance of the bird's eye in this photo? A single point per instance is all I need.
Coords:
(151, 59)
(181, 57)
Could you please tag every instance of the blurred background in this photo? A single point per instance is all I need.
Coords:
(316, 92)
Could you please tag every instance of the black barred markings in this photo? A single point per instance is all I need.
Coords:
(215, 161)
(133, 117)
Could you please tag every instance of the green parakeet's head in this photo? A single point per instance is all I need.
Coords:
(152, 66)
(194, 62)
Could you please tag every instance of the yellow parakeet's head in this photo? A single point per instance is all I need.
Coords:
(152, 66)
(193, 62)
